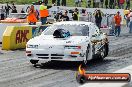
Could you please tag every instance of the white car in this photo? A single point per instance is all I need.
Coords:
(68, 41)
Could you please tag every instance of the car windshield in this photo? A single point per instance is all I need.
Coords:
(75, 30)
(19, 16)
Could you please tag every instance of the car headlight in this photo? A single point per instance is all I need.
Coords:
(72, 47)
(32, 46)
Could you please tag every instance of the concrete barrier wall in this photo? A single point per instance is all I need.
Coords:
(4, 25)
(16, 37)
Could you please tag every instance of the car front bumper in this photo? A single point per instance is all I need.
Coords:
(45, 55)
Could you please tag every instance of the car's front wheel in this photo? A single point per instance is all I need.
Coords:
(104, 51)
(87, 55)
(34, 61)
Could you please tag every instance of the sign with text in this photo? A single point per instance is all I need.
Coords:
(16, 37)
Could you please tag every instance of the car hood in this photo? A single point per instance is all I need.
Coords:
(50, 40)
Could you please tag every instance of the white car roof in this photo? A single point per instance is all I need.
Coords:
(73, 23)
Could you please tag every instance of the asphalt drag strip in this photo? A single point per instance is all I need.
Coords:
(16, 71)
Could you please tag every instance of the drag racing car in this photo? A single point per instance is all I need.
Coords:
(68, 41)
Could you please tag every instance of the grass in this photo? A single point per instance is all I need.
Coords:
(69, 2)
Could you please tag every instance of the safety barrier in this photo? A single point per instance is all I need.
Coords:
(16, 37)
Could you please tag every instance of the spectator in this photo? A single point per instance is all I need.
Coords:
(130, 26)
(37, 14)
(75, 16)
(14, 10)
(63, 3)
(2, 13)
(27, 9)
(83, 16)
(121, 3)
(102, 3)
(58, 2)
(114, 5)
(57, 17)
(32, 19)
(127, 4)
(98, 18)
(117, 19)
(53, 2)
(76, 3)
(106, 4)
(13, 6)
(46, 2)
(127, 18)
(97, 3)
(7, 8)
(76, 10)
(43, 13)
(79, 3)
(88, 3)
(93, 3)
(22, 11)
(111, 4)
(65, 17)
(112, 26)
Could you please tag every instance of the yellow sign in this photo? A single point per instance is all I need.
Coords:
(16, 37)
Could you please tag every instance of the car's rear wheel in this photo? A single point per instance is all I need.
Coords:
(106, 49)
(102, 53)
(34, 61)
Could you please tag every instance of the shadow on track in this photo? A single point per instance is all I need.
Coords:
(61, 65)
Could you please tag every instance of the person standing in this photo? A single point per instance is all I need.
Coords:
(93, 3)
(112, 23)
(76, 3)
(88, 3)
(106, 4)
(7, 8)
(121, 4)
(53, 2)
(127, 18)
(79, 3)
(102, 3)
(32, 16)
(63, 3)
(127, 4)
(46, 2)
(43, 13)
(130, 26)
(58, 2)
(117, 19)
(111, 4)
(97, 3)
(2, 13)
(98, 18)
